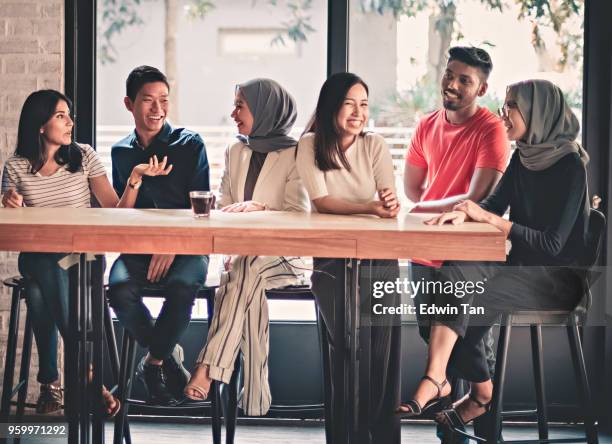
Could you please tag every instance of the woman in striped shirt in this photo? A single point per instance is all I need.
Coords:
(48, 169)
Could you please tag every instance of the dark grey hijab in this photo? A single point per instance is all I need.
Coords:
(552, 127)
(274, 113)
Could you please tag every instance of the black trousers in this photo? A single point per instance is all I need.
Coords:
(327, 283)
(506, 288)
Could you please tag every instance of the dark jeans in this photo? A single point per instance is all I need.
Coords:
(47, 300)
(507, 288)
(127, 278)
(327, 282)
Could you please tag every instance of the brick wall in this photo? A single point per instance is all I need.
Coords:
(31, 58)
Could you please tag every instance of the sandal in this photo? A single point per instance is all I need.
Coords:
(107, 399)
(201, 391)
(416, 409)
(453, 419)
(50, 400)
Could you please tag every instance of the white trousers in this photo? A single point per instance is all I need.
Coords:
(241, 322)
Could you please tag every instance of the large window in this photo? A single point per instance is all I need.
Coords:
(206, 48)
(400, 50)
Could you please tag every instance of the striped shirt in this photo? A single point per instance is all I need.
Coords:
(61, 189)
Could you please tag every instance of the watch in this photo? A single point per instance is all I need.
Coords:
(136, 185)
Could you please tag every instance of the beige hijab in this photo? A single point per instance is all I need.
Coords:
(552, 127)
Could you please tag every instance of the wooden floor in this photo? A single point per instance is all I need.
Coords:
(154, 433)
(302, 433)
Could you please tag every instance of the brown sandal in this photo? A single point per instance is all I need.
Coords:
(203, 393)
(416, 409)
(50, 400)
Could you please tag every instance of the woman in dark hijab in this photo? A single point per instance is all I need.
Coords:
(545, 189)
(259, 175)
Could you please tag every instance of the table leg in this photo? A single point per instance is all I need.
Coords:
(84, 361)
(363, 336)
(71, 350)
(339, 375)
(352, 329)
(97, 324)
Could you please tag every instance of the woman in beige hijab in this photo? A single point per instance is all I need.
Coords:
(545, 189)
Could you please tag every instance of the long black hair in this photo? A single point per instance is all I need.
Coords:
(37, 109)
(323, 124)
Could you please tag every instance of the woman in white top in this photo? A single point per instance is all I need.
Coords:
(48, 169)
(260, 174)
(348, 171)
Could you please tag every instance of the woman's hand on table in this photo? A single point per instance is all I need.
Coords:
(245, 207)
(473, 211)
(378, 208)
(453, 217)
(389, 199)
(12, 199)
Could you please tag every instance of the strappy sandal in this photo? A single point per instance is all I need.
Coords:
(454, 420)
(50, 399)
(107, 399)
(196, 388)
(416, 409)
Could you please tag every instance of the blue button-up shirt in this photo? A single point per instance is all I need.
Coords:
(190, 171)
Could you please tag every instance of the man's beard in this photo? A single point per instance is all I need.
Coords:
(451, 106)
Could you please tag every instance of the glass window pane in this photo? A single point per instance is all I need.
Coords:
(211, 47)
(400, 49)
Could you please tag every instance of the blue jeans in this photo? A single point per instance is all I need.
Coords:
(47, 300)
(127, 278)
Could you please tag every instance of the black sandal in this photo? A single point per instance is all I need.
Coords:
(454, 419)
(416, 409)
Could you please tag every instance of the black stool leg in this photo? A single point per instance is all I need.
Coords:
(584, 389)
(500, 377)
(24, 369)
(11, 351)
(215, 387)
(127, 352)
(111, 342)
(230, 411)
(540, 384)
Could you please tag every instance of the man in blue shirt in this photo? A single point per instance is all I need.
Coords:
(184, 153)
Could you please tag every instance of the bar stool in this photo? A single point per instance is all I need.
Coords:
(571, 320)
(217, 403)
(125, 368)
(17, 284)
(230, 403)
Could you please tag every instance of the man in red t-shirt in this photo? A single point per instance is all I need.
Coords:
(458, 152)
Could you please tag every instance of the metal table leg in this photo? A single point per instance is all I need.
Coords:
(97, 324)
(71, 350)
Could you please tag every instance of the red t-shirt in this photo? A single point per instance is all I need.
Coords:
(451, 153)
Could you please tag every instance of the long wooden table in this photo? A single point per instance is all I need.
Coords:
(258, 233)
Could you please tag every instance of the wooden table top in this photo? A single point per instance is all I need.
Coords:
(256, 233)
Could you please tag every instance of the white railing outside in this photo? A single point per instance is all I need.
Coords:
(217, 139)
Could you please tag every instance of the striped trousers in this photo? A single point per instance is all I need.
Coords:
(241, 323)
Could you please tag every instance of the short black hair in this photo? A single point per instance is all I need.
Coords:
(140, 76)
(472, 56)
